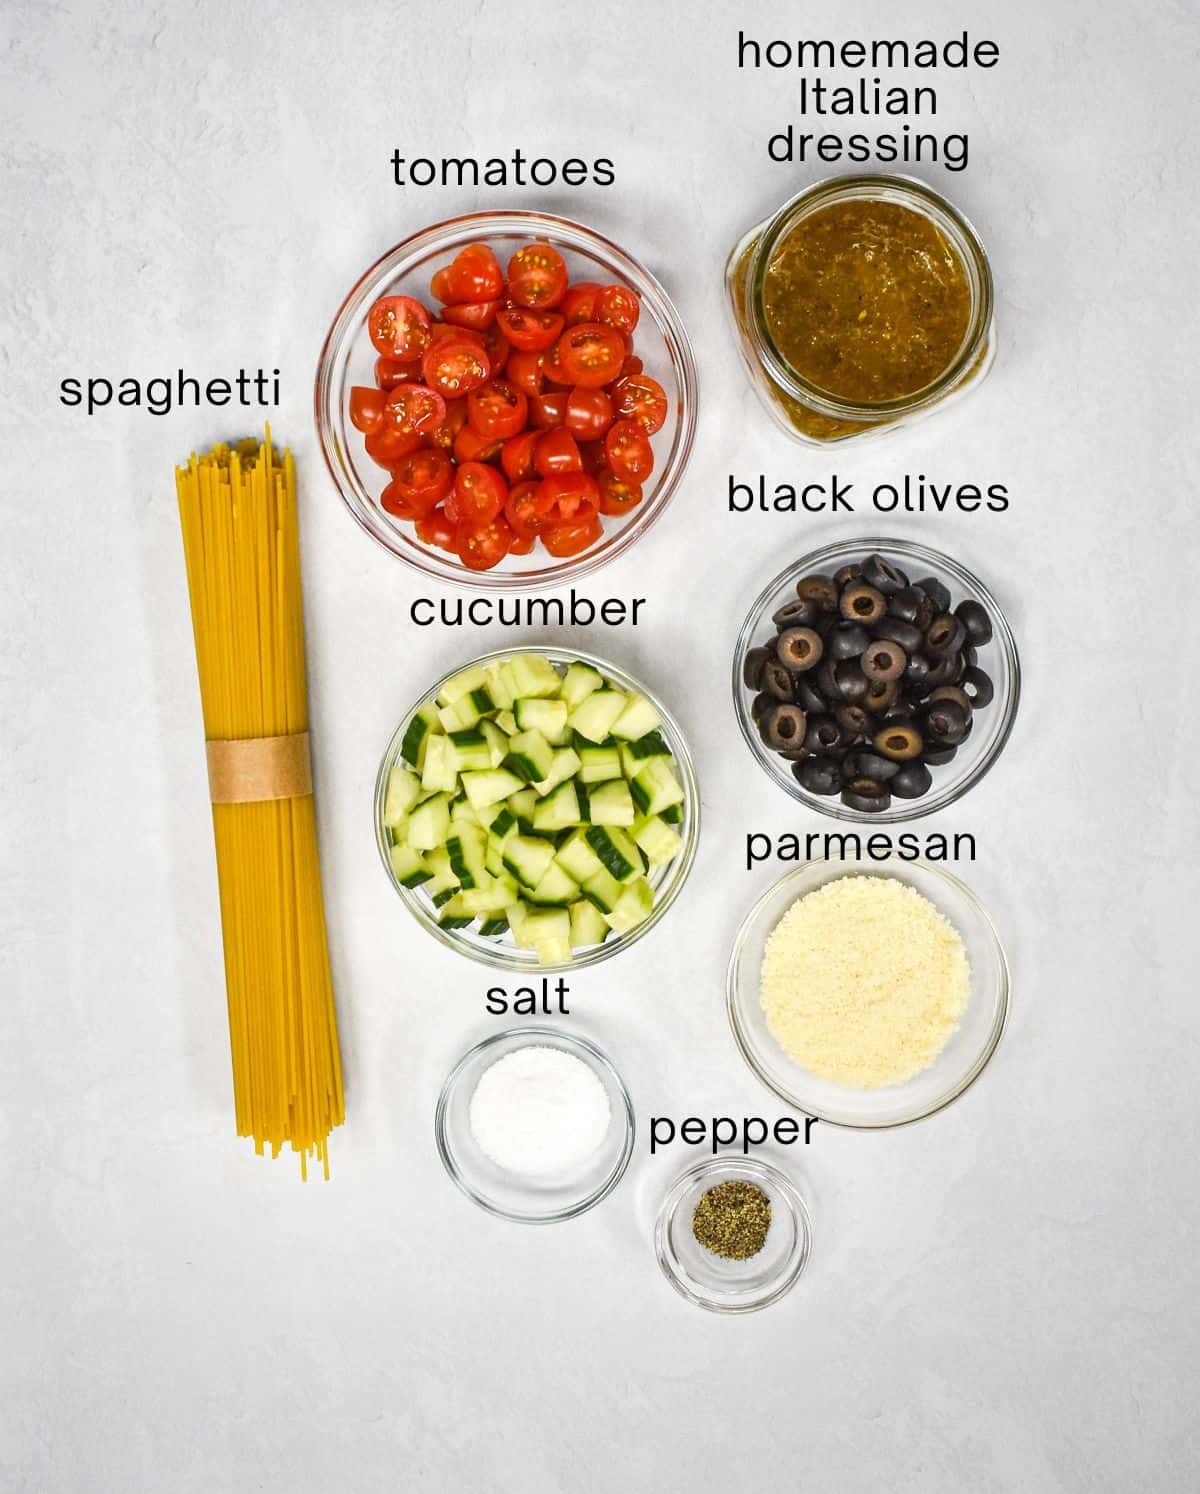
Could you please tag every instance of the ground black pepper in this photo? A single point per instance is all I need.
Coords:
(732, 1220)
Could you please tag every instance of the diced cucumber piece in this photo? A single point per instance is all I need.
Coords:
(634, 906)
(547, 716)
(555, 887)
(653, 744)
(489, 787)
(492, 928)
(440, 770)
(585, 801)
(602, 890)
(580, 681)
(504, 821)
(462, 684)
(466, 846)
(429, 823)
(493, 858)
(593, 718)
(497, 687)
(444, 896)
(637, 719)
(611, 803)
(471, 750)
(598, 764)
(656, 788)
(452, 915)
(548, 931)
(656, 838)
(533, 675)
(424, 722)
(462, 811)
(497, 741)
(507, 723)
(491, 898)
(558, 811)
(564, 766)
(443, 879)
(409, 866)
(523, 803)
(673, 814)
(618, 854)
(403, 791)
(528, 858)
(577, 858)
(588, 924)
(516, 913)
(530, 756)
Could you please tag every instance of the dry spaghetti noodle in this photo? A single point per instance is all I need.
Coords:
(237, 507)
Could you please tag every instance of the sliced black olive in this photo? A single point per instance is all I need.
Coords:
(907, 635)
(799, 648)
(945, 634)
(783, 728)
(826, 680)
(974, 618)
(819, 592)
(978, 687)
(759, 706)
(809, 698)
(854, 723)
(880, 696)
(883, 575)
(906, 603)
(945, 721)
(952, 692)
(846, 574)
(777, 680)
(852, 683)
(971, 655)
(925, 613)
(945, 670)
(848, 641)
(899, 740)
(863, 763)
(822, 734)
(862, 603)
(795, 614)
(752, 667)
(913, 780)
(867, 795)
(884, 660)
(819, 775)
(917, 671)
(937, 756)
(937, 592)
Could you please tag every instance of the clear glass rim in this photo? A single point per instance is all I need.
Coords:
(780, 1186)
(447, 235)
(869, 868)
(589, 1053)
(956, 227)
(1002, 636)
(681, 868)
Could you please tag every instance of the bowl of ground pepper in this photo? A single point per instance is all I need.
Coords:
(863, 303)
(733, 1234)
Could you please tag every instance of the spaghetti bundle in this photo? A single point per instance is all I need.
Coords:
(237, 507)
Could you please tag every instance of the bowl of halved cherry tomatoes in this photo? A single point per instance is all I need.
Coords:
(506, 400)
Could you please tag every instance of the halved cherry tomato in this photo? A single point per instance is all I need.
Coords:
(529, 331)
(470, 446)
(616, 495)
(399, 327)
(524, 371)
(537, 276)
(473, 275)
(456, 365)
(522, 545)
(414, 409)
(579, 303)
(497, 409)
(478, 315)
(497, 347)
(629, 452)
(573, 535)
(390, 371)
(482, 546)
(557, 452)
(529, 509)
(437, 528)
(641, 398)
(456, 418)
(591, 354)
(549, 409)
(424, 478)
(632, 365)
(516, 456)
(552, 369)
(388, 446)
(479, 494)
(567, 492)
(593, 456)
(589, 413)
(618, 307)
(366, 408)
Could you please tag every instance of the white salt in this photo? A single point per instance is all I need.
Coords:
(539, 1111)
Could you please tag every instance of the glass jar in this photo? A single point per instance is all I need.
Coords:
(804, 410)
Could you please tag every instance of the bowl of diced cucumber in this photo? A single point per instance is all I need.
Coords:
(538, 810)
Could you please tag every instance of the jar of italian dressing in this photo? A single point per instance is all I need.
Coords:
(863, 304)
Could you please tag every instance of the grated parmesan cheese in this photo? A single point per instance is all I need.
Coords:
(864, 981)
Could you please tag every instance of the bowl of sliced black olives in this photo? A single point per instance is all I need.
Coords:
(876, 680)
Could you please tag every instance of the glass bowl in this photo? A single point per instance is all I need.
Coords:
(732, 1286)
(960, 1062)
(348, 358)
(667, 881)
(509, 1195)
(991, 725)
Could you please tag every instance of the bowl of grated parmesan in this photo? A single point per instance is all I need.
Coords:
(868, 994)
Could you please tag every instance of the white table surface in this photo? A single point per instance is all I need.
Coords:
(1000, 1298)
